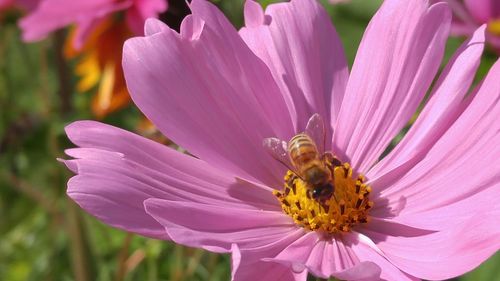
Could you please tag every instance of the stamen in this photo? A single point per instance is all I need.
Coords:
(346, 207)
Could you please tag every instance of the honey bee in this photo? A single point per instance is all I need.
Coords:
(310, 167)
(304, 155)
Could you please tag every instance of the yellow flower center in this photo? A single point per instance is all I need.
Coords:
(347, 206)
(494, 27)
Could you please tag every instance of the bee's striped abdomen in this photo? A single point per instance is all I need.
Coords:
(302, 150)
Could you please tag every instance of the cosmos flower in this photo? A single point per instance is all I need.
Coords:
(425, 210)
(101, 28)
(468, 15)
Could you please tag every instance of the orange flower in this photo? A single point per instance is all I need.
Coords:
(99, 65)
(100, 29)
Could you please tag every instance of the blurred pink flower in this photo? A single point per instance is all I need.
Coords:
(86, 14)
(468, 15)
(5, 3)
(102, 26)
(26, 5)
(219, 93)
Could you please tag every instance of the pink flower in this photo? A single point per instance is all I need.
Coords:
(5, 3)
(470, 14)
(219, 93)
(26, 5)
(102, 26)
(86, 14)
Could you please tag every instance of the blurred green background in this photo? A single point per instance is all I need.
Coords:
(43, 235)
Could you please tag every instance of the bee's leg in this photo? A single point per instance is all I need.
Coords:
(309, 194)
(291, 184)
(330, 192)
(329, 158)
(323, 198)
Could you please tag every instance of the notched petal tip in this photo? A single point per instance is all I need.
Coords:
(254, 14)
(439, 12)
(92, 153)
(196, 5)
(74, 129)
(74, 188)
(153, 26)
(480, 34)
(109, 206)
(149, 206)
(298, 267)
(70, 164)
(364, 270)
(29, 34)
(235, 259)
(192, 27)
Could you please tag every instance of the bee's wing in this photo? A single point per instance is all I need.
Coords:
(278, 150)
(315, 129)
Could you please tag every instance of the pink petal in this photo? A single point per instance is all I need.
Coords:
(6, 3)
(463, 24)
(460, 12)
(54, 14)
(442, 109)
(446, 216)
(483, 10)
(142, 10)
(219, 111)
(216, 227)
(363, 248)
(246, 262)
(326, 257)
(118, 170)
(84, 30)
(153, 26)
(396, 62)
(114, 205)
(28, 5)
(25, 5)
(266, 94)
(462, 162)
(444, 254)
(254, 15)
(301, 48)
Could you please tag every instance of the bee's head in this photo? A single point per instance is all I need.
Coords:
(316, 175)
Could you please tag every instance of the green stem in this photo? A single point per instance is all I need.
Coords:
(63, 72)
(79, 250)
(122, 258)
